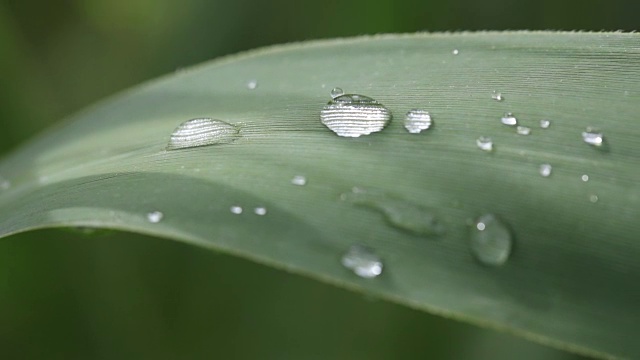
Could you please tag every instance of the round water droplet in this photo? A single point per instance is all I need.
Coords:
(202, 132)
(261, 211)
(497, 96)
(417, 120)
(490, 240)
(155, 217)
(252, 84)
(545, 170)
(523, 130)
(455, 52)
(593, 137)
(509, 119)
(335, 92)
(585, 177)
(484, 143)
(236, 210)
(362, 261)
(593, 198)
(545, 124)
(299, 180)
(354, 115)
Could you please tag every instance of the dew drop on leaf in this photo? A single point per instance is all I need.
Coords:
(497, 96)
(260, 210)
(523, 130)
(484, 143)
(545, 170)
(490, 241)
(416, 120)
(252, 84)
(299, 180)
(354, 115)
(236, 209)
(585, 177)
(509, 119)
(335, 92)
(202, 132)
(593, 137)
(545, 124)
(155, 217)
(362, 261)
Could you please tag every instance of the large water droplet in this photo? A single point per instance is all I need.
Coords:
(335, 92)
(509, 119)
(593, 137)
(155, 217)
(523, 130)
(545, 170)
(299, 180)
(400, 214)
(202, 132)
(354, 115)
(490, 240)
(545, 124)
(417, 120)
(236, 209)
(484, 143)
(497, 96)
(362, 261)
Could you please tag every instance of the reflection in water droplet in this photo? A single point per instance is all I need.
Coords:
(155, 217)
(260, 211)
(484, 143)
(593, 198)
(497, 96)
(545, 170)
(362, 261)
(417, 120)
(593, 137)
(299, 180)
(585, 177)
(354, 115)
(509, 119)
(202, 132)
(523, 130)
(455, 52)
(252, 84)
(490, 240)
(401, 214)
(335, 92)
(236, 210)
(545, 124)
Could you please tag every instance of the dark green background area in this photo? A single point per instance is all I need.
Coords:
(115, 296)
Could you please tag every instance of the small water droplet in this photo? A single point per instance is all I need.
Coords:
(261, 210)
(593, 137)
(252, 84)
(299, 180)
(585, 177)
(484, 143)
(155, 217)
(401, 214)
(236, 210)
(455, 52)
(497, 96)
(335, 92)
(362, 261)
(509, 119)
(202, 132)
(545, 124)
(417, 120)
(545, 170)
(523, 130)
(593, 198)
(354, 115)
(490, 240)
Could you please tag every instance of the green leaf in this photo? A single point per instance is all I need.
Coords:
(572, 278)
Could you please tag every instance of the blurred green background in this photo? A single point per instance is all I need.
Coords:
(118, 296)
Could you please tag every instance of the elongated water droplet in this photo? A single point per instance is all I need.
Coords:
(299, 180)
(545, 124)
(401, 214)
(252, 84)
(354, 115)
(335, 92)
(497, 96)
(523, 130)
(585, 177)
(593, 137)
(490, 240)
(545, 170)
(417, 120)
(261, 210)
(236, 209)
(202, 132)
(509, 119)
(155, 217)
(484, 143)
(362, 261)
